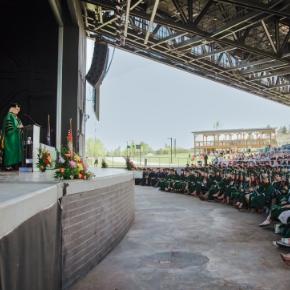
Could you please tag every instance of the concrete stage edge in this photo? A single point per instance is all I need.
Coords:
(52, 233)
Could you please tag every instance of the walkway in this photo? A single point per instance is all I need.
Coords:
(180, 243)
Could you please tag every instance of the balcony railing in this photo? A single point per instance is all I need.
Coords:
(234, 143)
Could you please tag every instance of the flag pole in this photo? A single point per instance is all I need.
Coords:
(72, 144)
(48, 130)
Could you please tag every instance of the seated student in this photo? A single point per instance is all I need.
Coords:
(160, 174)
(145, 177)
(278, 199)
(170, 180)
(284, 218)
(186, 182)
(152, 176)
(163, 181)
(192, 181)
(282, 204)
(244, 190)
(220, 196)
(197, 183)
(173, 179)
(179, 180)
(231, 190)
(213, 186)
(236, 190)
(138, 178)
(201, 184)
(263, 196)
(181, 184)
(275, 213)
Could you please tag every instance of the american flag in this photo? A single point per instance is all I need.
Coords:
(70, 139)
(69, 136)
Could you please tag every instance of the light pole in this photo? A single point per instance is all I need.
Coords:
(175, 147)
(170, 149)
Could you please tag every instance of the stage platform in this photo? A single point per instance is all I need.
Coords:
(48, 176)
(75, 222)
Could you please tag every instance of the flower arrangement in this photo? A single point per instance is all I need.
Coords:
(69, 165)
(44, 159)
(130, 164)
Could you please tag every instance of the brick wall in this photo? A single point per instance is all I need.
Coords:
(93, 224)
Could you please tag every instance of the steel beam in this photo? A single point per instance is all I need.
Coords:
(254, 5)
(246, 55)
(155, 30)
(191, 29)
(277, 86)
(189, 10)
(213, 53)
(170, 37)
(202, 12)
(210, 75)
(253, 63)
(127, 17)
(285, 41)
(282, 73)
(180, 10)
(263, 68)
(269, 36)
(114, 18)
(230, 26)
(151, 21)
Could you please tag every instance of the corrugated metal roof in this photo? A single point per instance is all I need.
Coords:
(234, 131)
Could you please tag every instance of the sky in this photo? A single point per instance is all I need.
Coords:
(142, 100)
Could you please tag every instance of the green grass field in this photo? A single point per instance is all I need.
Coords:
(164, 160)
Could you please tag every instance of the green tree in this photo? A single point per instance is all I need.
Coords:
(117, 151)
(146, 148)
(182, 150)
(133, 149)
(216, 125)
(164, 150)
(95, 147)
(283, 130)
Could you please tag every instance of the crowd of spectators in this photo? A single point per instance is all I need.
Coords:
(255, 182)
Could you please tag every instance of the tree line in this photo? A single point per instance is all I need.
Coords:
(95, 147)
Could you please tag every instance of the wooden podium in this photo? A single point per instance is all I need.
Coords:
(31, 144)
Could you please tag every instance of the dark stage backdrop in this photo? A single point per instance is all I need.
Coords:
(28, 60)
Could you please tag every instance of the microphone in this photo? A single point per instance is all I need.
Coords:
(30, 118)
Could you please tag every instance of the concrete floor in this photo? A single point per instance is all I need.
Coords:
(181, 243)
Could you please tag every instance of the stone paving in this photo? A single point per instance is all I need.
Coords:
(178, 242)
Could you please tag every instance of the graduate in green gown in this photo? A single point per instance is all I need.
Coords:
(12, 131)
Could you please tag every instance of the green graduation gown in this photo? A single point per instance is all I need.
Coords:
(13, 151)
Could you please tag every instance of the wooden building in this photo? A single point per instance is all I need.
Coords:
(234, 140)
